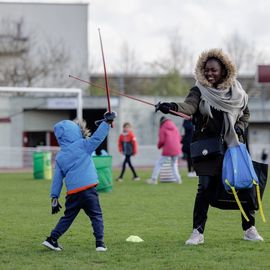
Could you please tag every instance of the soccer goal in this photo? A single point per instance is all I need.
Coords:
(31, 109)
(46, 92)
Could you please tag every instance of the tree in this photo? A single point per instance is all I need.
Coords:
(25, 61)
(128, 69)
(244, 53)
(170, 67)
(128, 63)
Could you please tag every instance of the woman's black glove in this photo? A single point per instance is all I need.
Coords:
(239, 131)
(165, 107)
(56, 206)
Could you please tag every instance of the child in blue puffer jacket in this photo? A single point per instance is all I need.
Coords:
(74, 165)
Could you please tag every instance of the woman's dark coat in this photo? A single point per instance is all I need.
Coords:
(206, 127)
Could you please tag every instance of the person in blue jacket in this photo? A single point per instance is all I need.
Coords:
(74, 165)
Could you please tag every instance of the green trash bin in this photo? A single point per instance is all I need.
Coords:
(104, 170)
(42, 165)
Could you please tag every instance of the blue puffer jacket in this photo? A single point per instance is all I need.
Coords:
(73, 161)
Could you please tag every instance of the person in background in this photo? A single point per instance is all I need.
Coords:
(218, 106)
(75, 166)
(127, 145)
(187, 138)
(169, 140)
(264, 156)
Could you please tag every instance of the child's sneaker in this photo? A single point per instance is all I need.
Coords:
(151, 181)
(192, 174)
(100, 246)
(119, 179)
(136, 178)
(52, 244)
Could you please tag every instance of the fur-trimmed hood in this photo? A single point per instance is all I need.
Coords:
(229, 65)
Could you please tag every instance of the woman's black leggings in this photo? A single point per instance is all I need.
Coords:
(127, 160)
(189, 163)
(207, 184)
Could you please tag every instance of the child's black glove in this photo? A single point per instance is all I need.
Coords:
(165, 107)
(56, 206)
(108, 117)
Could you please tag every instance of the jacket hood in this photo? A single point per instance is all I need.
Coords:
(168, 124)
(67, 132)
(224, 59)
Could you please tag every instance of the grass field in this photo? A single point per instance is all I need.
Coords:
(161, 215)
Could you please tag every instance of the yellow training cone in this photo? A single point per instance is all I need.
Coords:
(134, 239)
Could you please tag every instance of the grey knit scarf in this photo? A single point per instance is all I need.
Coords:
(231, 101)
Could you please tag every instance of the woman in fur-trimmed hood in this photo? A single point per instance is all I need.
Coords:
(218, 106)
(230, 68)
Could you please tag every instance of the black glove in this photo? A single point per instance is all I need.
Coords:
(165, 107)
(56, 206)
(108, 117)
(239, 131)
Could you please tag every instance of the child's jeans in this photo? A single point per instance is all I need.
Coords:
(89, 202)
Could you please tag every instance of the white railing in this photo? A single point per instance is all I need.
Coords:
(21, 157)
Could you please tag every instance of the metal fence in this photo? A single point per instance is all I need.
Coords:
(22, 157)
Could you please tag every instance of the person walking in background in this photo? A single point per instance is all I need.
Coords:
(264, 156)
(75, 166)
(127, 145)
(187, 138)
(169, 139)
(219, 107)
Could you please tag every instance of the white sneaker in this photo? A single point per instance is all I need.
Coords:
(136, 178)
(151, 181)
(251, 234)
(195, 238)
(191, 174)
(101, 249)
(100, 246)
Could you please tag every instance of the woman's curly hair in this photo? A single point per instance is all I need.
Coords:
(83, 126)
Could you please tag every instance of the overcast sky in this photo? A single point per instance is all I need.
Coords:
(146, 24)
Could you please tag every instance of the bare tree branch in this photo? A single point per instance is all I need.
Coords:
(177, 57)
(128, 61)
(26, 61)
(244, 53)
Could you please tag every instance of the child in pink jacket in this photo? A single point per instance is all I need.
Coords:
(170, 142)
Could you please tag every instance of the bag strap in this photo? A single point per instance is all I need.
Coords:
(222, 133)
(245, 137)
(237, 200)
(259, 201)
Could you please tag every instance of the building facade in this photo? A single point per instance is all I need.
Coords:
(27, 122)
(42, 42)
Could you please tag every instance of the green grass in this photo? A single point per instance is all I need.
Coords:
(161, 215)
